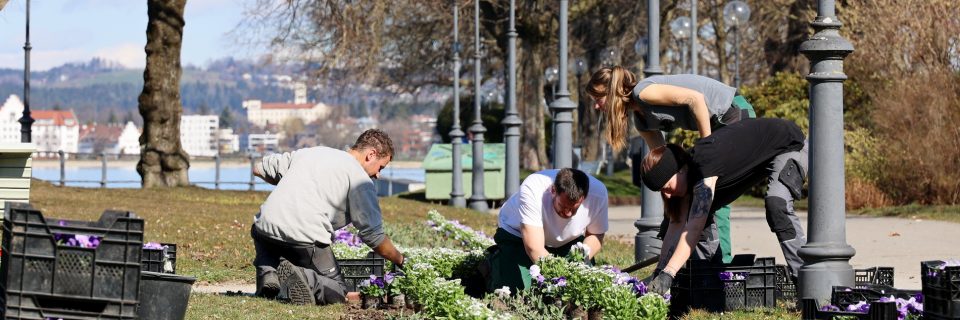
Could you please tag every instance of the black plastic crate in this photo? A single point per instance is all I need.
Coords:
(698, 285)
(160, 260)
(875, 275)
(941, 290)
(878, 311)
(786, 288)
(356, 270)
(45, 280)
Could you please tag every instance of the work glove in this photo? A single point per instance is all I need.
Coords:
(579, 252)
(661, 283)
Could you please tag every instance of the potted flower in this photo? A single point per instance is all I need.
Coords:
(372, 292)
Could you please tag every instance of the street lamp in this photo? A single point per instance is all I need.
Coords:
(552, 74)
(680, 28)
(456, 134)
(26, 122)
(735, 14)
(478, 201)
(511, 122)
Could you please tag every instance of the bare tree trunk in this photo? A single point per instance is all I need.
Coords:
(533, 144)
(163, 162)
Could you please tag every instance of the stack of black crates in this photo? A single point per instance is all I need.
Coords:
(46, 280)
(941, 290)
(699, 285)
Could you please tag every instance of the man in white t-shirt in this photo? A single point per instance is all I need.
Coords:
(553, 211)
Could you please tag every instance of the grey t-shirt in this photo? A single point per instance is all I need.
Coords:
(320, 190)
(718, 95)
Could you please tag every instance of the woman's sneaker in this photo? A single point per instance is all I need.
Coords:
(293, 284)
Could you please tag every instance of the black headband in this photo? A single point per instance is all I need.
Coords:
(661, 172)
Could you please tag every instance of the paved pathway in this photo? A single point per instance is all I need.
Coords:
(894, 242)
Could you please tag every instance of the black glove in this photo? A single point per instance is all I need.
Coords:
(661, 283)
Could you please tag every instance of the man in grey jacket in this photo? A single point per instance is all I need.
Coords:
(318, 190)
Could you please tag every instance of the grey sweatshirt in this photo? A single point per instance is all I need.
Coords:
(320, 190)
(718, 96)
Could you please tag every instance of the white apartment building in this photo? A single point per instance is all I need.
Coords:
(55, 130)
(261, 113)
(52, 130)
(198, 134)
(263, 143)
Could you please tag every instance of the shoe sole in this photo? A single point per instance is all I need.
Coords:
(270, 289)
(298, 291)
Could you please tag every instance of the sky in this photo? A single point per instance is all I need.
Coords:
(64, 31)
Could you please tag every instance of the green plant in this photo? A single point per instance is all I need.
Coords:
(375, 287)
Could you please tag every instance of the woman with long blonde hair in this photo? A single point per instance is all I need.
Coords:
(662, 103)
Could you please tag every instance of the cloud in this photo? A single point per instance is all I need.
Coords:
(41, 60)
(130, 55)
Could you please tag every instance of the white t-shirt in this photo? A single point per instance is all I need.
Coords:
(533, 206)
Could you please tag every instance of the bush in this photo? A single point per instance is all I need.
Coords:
(917, 121)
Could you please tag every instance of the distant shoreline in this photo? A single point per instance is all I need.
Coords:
(196, 163)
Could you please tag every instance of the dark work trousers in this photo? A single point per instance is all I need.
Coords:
(319, 265)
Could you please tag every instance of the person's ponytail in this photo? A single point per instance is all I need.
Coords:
(621, 84)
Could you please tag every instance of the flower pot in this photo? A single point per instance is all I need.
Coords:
(397, 301)
(370, 302)
(575, 312)
(595, 314)
(164, 296)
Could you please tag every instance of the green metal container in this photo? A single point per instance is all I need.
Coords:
(438, 166)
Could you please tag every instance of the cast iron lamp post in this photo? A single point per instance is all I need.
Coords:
(736, 14)
(680, 28)
(512, 121)
(646, 245)
(478, 201)
(456, 135)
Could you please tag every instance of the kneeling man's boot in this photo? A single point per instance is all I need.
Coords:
(293, 285)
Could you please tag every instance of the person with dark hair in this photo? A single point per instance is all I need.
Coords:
(554, 212)
(318, 190)
(663, 103)
(717, 170)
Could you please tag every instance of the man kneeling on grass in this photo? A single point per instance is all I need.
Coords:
(554, 211)
(319, 190)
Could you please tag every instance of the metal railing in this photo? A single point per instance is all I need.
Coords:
(385, 185)
(104, 165)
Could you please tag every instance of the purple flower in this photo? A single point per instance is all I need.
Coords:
(540, 278)
(829, 307)
(153, 246)
(560, 282)
(919, 297)
(376, 281)
(859, 307)
(640, 288)
(388, 278)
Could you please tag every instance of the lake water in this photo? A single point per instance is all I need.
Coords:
(231, 177)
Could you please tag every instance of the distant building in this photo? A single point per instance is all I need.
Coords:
(52, 131)
(262, 143)
(229, 142)
(199, 135)
(129, 140)
(261, 113)
(112, 139)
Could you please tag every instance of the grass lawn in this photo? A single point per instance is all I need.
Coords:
(211, 229)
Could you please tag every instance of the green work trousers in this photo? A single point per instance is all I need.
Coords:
(722, 216)
(510, 264)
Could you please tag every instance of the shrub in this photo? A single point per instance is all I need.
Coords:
(917, 122)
